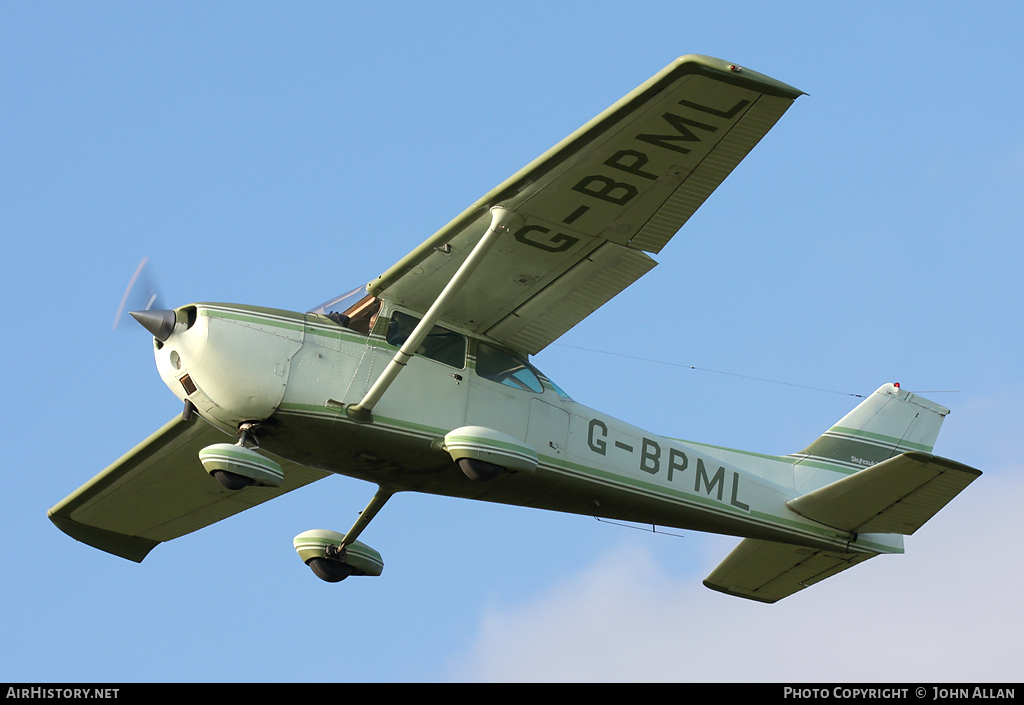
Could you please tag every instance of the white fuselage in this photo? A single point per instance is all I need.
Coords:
(296, 373)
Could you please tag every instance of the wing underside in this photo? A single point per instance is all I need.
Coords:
(594, 205)
(159, 491)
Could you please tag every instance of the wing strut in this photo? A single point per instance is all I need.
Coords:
(501, 219)
(365, 516)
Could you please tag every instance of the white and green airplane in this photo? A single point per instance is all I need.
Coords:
(421, 381)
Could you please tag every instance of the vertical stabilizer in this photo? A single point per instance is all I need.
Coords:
(887, 423)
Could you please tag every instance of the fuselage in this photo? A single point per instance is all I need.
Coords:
(296, 373)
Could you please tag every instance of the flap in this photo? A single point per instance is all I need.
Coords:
(618, 187)
(896, 496)
(767, 571)
(159, 491)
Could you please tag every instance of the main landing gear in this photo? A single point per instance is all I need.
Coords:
(333, 557)
(236, 466)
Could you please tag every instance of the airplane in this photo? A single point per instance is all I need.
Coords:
(421, 381)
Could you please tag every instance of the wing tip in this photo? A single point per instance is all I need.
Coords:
(740, 73)
(133, 548)
(733, 593)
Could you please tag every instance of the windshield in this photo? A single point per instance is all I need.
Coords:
(339, 303)
(355, 310)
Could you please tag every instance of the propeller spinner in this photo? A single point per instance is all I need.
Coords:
(159, 322)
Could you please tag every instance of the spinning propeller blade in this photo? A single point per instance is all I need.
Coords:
(141, 294)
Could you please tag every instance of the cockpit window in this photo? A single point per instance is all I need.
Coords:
(445, 346)
(499, 366)
(355, 310)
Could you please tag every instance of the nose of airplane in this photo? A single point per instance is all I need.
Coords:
(158, 322)
(230, 361)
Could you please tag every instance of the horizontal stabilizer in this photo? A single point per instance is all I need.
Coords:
(767, 571)
(159, 491)
(896, 496)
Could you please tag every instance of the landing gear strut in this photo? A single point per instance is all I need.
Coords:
(333, 557)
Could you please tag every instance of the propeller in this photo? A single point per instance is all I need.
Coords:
(141, 296)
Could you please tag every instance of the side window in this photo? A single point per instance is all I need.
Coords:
(558, 390)
(441, 344)
(499, 366)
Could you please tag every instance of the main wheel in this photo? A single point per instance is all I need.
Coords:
(231, 480)
(330, 571)
(479, 470)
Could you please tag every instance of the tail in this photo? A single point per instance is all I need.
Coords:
(887, 423)
(889, 484)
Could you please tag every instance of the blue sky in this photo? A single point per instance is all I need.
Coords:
(279, 154)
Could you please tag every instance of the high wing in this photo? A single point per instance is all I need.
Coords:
(159, 491)
(594, 205)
